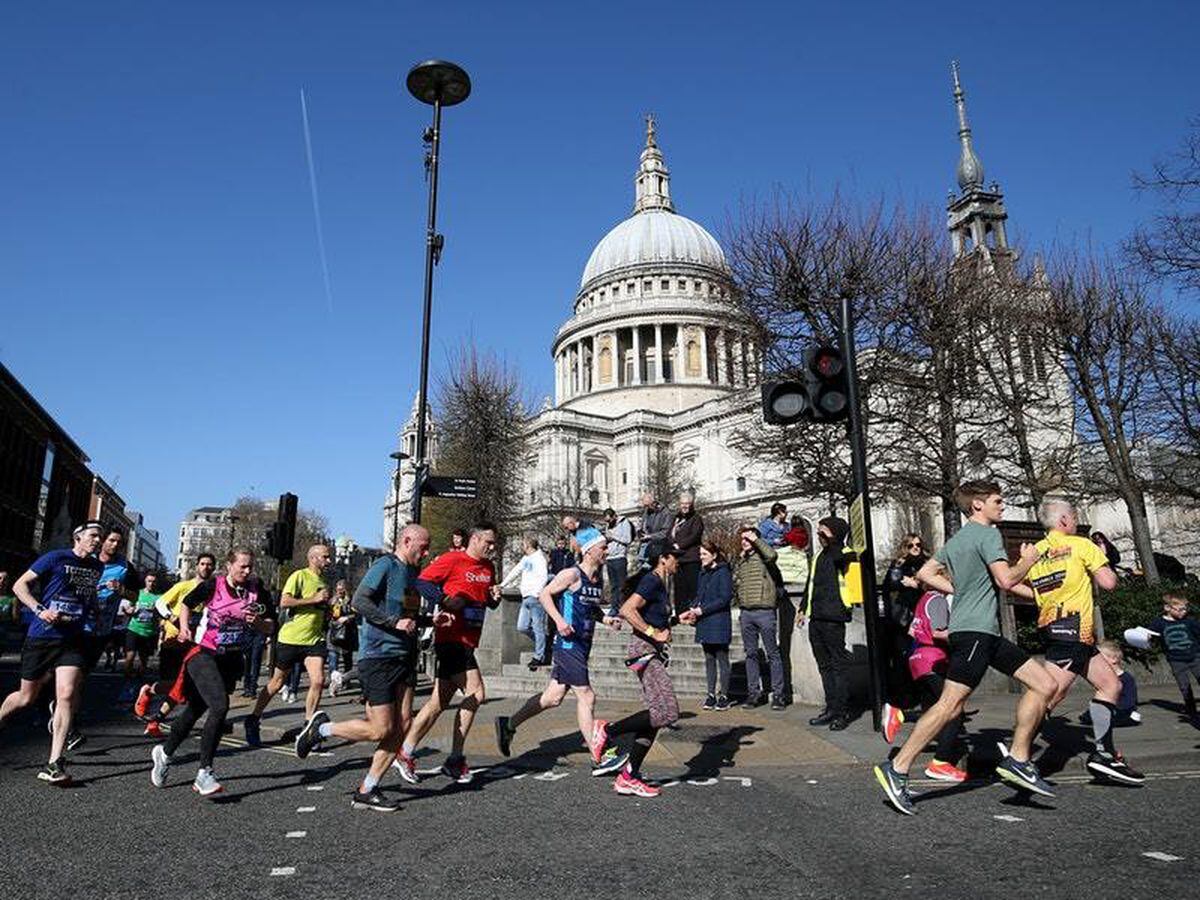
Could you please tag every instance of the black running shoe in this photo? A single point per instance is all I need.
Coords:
(310, 735)
(895, 786)
(504, 736)
(75, 740)
(1023, 776)
(710, 702)
(777, 705)
(253, 732)
(55, 773)
(374, 799)
(1113, 768)
(753, 701)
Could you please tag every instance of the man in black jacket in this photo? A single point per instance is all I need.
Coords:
(827, 616)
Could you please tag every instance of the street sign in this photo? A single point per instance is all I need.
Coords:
(451, 487)
(858, 526)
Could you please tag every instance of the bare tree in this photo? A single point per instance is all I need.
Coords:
(1176, 373)
(252, 519)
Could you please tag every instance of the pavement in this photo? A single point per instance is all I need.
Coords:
(754, 803)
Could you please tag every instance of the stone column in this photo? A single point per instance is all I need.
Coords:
(738, 373)
(637, 354)
(722, 359)
(595, 362)
(704, 354)
(658, 353)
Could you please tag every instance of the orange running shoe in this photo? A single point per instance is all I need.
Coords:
(154, 730)
(893, 718)
(141, 705)
(944, 771)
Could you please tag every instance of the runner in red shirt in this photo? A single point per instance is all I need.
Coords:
(463, 585)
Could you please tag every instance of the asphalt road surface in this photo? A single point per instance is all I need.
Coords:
(542, 827)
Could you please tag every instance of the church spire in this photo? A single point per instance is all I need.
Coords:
(970, 169)
(652, 184)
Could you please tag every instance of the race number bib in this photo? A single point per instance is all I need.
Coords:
(68, 610)
(473, 615)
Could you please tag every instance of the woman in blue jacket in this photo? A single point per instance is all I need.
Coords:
(714, 626)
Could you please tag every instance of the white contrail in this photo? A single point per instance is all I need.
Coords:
(316, 202)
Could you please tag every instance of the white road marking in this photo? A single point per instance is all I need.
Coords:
(306, 809)
(745, 782)
(296, 834)
(670, 782)
(811, 781)
(1162, 857)
(1008, 818)
(702, 782)
(315, 787)
(284, 870)
(551, 776)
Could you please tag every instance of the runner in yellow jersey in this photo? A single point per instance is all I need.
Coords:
(1061, 582)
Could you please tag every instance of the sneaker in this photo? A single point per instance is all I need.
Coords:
(406, 766)
(632, 786)
(310, 735)
(893, 718)
(753, 700)
(206, 783)
(895, 786)
(373, 799)
(141, 706)
(612, 760)
(504, 736)
(249, 694)
(153, 729)
(599, 740)
(944, 771)
(710, 702)
(293, 697)
(55, 773)
(1113, 767)
(1135, 717)
(1023, 776)
(840, 723)
(75, 740)
(162, 762)
(457, 771)
(777, 705)
(722, 703)
(336, 681)
(824, 717)
(253, 733)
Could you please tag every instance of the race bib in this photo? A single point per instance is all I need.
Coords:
(68, 610)
(231, 635)
(473, 615)
(145, 615)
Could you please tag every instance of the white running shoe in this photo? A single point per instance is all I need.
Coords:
(206, 783)
(162, 762)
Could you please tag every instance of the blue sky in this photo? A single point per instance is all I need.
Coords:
(157, 231)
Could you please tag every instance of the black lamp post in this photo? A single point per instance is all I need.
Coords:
(438, 83)
(399, 456)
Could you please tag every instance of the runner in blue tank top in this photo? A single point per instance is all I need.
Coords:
(580, 594)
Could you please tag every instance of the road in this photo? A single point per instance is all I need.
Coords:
(539, 825)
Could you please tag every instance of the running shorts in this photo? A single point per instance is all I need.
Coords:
(972, 652)
(452, 659)
(41, 655)
(289, 655)
(143, 645)
(93, 649)
(384, 678)
(1071, 656)
(570, 667)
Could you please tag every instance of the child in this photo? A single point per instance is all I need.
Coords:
(1180, 635)
(1127, 711)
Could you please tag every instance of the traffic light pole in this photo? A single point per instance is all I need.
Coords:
(858, 461)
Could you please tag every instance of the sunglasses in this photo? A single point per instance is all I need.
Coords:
(915, 544)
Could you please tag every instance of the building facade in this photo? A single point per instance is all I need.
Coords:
(143, 550)
(206, 529)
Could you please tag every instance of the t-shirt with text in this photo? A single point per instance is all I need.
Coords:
(461, 575)
(1062, 583)
(68, 584)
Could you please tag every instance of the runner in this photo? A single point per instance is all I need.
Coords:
(118, 583)
(648, 611)
(56, 642)
(463, 584)
(304, 606)
(171, 649)
(1062, 582)
(977, 563)
(388, 602)
(141, 634)
(580, 591)
(234, 603)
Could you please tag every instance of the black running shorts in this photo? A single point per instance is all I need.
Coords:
(143, 645)
(385, 678)
(41, 655)
(972, 652)
(1072, 656)
(289, 655)
(452, 659)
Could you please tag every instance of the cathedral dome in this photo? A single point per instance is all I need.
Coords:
(654, 236)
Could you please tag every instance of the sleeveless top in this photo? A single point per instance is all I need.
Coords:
(581, 608)
(223, 628)
(927, 654)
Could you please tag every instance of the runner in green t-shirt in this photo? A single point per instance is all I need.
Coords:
(303, 607)
(141, 635)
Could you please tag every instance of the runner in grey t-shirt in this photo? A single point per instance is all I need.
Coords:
(966, 557)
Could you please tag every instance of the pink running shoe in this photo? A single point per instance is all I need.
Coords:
(406, 766)
(599, 740)
(893, 718)
(635, 787)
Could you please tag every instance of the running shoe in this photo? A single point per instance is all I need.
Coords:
(944, 771)
(599, 740)
(310, 735)
(893, 718)
(141, 705)
(75, 740)
(154, 729)
(1135, 717)
(710, 702)
(777, 705)
(1113, 767)
(206, 783)
(722, 703)
(373, 799)
(1023, 776)
(895, 785)
(161, 763)
(754, 700)
(457, 771)
(406, 766)
(632, 786)
(253, 734)
(612, 760)
(504, 736)
(55, 773)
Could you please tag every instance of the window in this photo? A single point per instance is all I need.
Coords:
(606, 366)
(647, 286)
(616, 291)
(594, 497)
(664, 285)
(741, 483)
(682, 285)
(693, 358)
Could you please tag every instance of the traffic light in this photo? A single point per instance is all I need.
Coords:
(283, 532)
(279, 547)
(821, 394)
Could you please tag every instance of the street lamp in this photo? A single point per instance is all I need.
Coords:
(438, 83)
(399, 456)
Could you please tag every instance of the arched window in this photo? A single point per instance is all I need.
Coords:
(693, 358)
(606, 366)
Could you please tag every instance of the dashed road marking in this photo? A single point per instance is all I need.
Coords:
(810, 781)
(1162, 857)
(306, 809)
(283, 870)
(742, 780)
(1008, 818)
(315, 787)
(296, 834)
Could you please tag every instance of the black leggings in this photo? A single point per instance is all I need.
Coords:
(210, 678)
(716, 660)
(930, 687)
(643, 733)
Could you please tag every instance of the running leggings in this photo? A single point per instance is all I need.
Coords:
(209, 680)
(643, 737)
(716, 661)
(930, 687)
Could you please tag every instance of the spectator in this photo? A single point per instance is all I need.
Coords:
(797, 534)
(774, 526)
(656, 526)
(1127, 711)
(1180, 635)
(458, 541)
(755, 594)
(714, 622)
(533, 573)
(343, 638)
(827, 609)
(901, 591)
(618, 531)
(1100, 539)
(687, 531)
(561, 557)
(252, 657)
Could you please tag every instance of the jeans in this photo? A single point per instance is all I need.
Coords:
(828, 641)
(531, 621)
(253, 654)
(761, 624)
(617, 570)
(716, 662)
